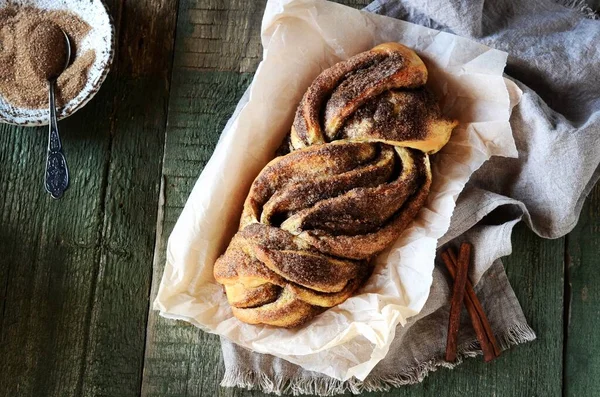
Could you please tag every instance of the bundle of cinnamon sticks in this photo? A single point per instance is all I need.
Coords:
(463, 291)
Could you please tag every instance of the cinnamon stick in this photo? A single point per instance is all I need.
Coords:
(458, 296)
(478, 315)
(479, 320)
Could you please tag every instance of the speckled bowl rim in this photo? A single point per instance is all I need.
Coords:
(41, 121)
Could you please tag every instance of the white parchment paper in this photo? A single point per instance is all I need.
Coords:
(300, 39)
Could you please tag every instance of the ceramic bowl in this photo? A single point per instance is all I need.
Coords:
(101, 38)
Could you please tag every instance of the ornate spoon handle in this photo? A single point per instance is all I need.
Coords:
(57, 173)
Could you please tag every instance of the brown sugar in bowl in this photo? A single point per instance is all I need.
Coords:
(92, 35)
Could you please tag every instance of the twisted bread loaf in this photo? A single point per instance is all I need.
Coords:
(355, 174)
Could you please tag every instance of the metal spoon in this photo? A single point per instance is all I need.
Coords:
(57, 172)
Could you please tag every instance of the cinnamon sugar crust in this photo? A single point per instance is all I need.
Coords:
(351, 176)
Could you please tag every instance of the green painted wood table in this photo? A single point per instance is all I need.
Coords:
(78, 275)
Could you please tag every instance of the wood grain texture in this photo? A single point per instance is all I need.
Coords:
(221, 35)
(582, 361)
(47, 254)
(180, 359)
(116, 343)
(75, 275)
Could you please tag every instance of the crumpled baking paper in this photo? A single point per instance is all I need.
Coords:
(300, 39)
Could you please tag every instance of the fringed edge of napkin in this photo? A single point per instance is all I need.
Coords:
(580, 5)
(326, 386)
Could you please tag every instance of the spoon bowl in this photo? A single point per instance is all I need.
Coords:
(67, 50)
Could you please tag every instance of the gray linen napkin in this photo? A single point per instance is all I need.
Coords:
(554, 57)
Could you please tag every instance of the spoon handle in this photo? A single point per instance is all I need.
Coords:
(57, 173)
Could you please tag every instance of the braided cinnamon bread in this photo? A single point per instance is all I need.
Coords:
(353, 173)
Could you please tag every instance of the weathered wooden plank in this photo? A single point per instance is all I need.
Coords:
(219, 35)
(47, 252)
(181, 360)
(114, 360)
(582, 360)
(75, 275)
